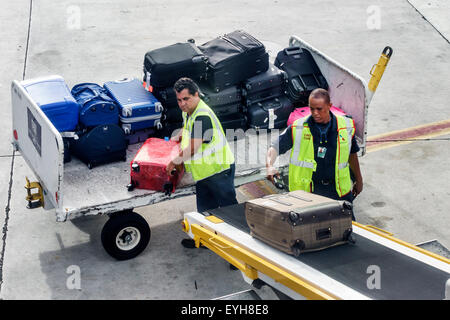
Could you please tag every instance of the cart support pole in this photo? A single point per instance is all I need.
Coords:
(378, 69)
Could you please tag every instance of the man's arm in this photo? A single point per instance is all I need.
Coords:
(354, 166)
(282, 144)
(184, 155)
(178, 136)
(272, 155)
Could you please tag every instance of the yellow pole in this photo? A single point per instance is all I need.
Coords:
(378, 69)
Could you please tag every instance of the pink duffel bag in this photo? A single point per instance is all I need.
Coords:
(305, 111)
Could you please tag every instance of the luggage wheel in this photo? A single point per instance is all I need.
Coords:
(90, 166)
(130, 187)
(297, 248)
(168, 187)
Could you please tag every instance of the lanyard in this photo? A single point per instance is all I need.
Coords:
(323, 133)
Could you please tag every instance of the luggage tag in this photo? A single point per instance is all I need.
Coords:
(272, 118)
(321, 151)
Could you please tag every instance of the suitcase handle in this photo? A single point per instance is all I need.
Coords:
(123, 80)
(324, 233)
(290, 51)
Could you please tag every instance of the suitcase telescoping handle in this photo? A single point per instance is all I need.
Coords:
(290, 51)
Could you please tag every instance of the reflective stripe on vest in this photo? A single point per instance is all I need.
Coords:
(302, 163)
(211, 158)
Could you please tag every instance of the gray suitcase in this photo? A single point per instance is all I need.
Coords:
(298, 221)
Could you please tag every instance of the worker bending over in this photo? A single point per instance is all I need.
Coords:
(204, 151)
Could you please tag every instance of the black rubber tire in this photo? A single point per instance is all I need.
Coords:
(115, 224)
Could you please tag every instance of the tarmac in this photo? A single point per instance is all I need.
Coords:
(406, 186)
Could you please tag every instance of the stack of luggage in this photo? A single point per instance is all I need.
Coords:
(236, 80)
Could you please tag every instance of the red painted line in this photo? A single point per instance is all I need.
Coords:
(410, 133)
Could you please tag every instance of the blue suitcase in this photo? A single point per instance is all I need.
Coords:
(53, 96)
(139, 109)
(96, 107)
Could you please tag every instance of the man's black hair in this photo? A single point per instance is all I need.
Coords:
(320, 93)
(186, 83)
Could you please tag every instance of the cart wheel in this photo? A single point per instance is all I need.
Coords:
(125, 235)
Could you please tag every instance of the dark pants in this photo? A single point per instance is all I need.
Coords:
(329, 191)
(216, 191)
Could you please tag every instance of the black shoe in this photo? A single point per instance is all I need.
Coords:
(188, 243)
(232, 267)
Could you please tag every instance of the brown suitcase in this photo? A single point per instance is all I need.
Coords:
(299, 221)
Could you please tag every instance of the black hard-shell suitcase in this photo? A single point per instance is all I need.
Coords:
(270, 84)
(230, 95)
(169, 129)
(233, 58)
(173, 115)
(233, 122)
(303, 72)
(166, 96)
(164, 66)
(102, 144)
(298, 221)
(270, 114)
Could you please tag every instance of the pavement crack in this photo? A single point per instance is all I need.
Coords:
(424, 18)
(28, 41)
(5, 224)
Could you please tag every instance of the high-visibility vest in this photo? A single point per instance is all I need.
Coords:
(302, 163)
(211, 158)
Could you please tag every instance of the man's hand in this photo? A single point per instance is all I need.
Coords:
(357, 188)
(271, 172)
(170, 167)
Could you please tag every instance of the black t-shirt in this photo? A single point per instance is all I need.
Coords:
(327, 139)
(202, 129)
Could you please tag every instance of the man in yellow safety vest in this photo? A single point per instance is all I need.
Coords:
(323, 151)
(204, 151)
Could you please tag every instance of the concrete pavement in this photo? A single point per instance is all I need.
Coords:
(406, 188)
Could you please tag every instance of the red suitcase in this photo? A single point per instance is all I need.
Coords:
(148, 168)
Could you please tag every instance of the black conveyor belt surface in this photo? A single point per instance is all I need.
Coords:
(401, 277)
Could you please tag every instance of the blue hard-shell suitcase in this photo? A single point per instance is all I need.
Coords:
(96, 107)
(53, 96)
(139, 109)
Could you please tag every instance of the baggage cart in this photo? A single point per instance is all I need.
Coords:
(71, 190)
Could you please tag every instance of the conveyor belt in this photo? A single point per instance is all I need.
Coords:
(402, 277)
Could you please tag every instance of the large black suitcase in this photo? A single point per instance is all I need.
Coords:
(166, 96)
(270, 114)
(233, 122)
(164, 66)
(230, 95)
(223, 103)
(303, 72)
(169, 129)
(102, 144)
(270, 84)
(233, 58)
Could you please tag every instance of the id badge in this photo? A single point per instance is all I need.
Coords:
(321, 151)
